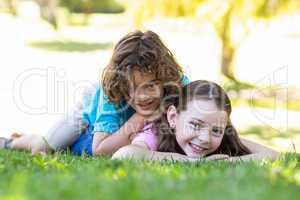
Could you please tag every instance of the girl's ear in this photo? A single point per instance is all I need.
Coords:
(171, 116)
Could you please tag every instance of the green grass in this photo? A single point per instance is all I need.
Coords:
(292, 105)
(63, 176)
(265, 132)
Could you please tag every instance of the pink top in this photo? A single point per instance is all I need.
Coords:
(148, 136)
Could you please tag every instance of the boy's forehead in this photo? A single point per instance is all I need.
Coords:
(142, 77)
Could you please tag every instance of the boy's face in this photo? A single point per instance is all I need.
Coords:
(145, 93)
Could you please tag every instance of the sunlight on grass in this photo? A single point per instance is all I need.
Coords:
(267, 132)
(282, 140)
(115, 179)
(70, 46)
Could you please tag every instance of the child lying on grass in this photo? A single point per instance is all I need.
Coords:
(196, 124)
(136, 79)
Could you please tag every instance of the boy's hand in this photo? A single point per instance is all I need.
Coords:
(135, 124)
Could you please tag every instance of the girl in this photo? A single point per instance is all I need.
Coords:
(196, 124)
(138, 75)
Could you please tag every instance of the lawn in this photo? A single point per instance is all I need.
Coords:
(63, 176)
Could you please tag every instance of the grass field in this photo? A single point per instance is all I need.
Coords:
(63, 176)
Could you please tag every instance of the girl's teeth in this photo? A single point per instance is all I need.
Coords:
(196, 147)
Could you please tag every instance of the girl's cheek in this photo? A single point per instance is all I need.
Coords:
(216, 142)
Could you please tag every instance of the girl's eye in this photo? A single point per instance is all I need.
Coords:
(196, 125)
(217, 131)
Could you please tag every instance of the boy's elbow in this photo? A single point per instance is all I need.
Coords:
(101, 150)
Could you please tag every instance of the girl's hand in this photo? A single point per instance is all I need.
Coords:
(218, 157)
(212, 157)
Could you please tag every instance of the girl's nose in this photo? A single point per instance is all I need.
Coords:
(204, 136)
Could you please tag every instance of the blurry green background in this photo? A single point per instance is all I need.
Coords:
(50, 50)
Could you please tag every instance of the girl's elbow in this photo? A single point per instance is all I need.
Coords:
(271, 154)
(122, 153)
(128, 152)
(274, 155)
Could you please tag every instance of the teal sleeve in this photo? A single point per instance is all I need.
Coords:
(101, 114)
(185, 80)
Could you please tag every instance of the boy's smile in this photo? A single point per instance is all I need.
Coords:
(146, 93)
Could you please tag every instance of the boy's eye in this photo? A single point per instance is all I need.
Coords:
(150, 86)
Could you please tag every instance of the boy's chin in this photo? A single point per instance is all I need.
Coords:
(147, 113)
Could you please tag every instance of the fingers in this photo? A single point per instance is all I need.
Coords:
(132, 136)
(217, 157)
(16, 135)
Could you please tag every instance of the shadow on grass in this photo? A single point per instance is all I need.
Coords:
(70, 46)
(267, 132)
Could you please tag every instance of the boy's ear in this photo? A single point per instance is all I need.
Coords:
(171, 116)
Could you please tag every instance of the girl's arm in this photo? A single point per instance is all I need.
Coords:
(107, 144)
(259, 152)
(140, 151)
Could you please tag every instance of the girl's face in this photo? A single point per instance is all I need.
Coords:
(200, 128)
(145, 93)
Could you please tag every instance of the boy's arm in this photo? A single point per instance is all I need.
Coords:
(258, 152)
(107, 144)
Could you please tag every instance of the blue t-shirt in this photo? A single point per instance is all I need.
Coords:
(102, 116)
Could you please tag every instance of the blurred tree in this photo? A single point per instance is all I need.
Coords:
(92, 6)
(236, 15)
(47, 9)
(227, 16)
(11, 5)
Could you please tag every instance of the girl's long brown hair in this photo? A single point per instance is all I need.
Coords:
(231, 143)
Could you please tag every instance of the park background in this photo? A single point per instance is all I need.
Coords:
(51, 50)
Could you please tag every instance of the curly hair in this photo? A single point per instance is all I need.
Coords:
(231, 143)
(142, 51)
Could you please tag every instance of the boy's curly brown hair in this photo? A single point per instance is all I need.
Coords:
(142, 51)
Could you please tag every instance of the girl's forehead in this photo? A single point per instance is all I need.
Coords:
(206, 111)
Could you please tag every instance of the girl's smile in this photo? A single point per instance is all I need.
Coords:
(199, 128)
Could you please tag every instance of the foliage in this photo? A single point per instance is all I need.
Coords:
(231, 19)
(92, 6)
